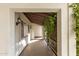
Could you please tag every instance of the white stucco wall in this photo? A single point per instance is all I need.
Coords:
(72, 36)
(4, 31)
(37, 30)
(17, 29)
(19, 41)
(7, 24)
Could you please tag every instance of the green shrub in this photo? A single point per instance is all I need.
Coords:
(49, 25)
(75, 7)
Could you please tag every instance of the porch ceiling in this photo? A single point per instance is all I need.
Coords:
(37, 17)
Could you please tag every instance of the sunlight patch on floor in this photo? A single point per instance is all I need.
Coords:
(32, 41)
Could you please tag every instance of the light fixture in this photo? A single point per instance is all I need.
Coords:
(18, 20)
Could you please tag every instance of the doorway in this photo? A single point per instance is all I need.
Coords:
(37, 31)
(58, 27)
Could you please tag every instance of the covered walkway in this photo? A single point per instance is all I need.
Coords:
(37, 48)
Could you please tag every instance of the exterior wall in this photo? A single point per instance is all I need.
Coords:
(17, 33)
(19, 41)
(18, 29)
(37, 31)
(72, 36)
(7, 25)
(59, 33)
(4, 31)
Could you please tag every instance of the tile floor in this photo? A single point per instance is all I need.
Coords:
(37, 48)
